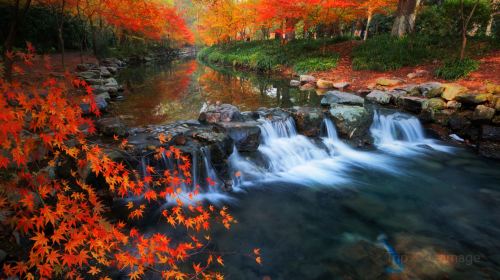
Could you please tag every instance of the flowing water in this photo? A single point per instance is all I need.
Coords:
(413, 208)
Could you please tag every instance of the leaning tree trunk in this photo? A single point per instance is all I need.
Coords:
(405, 17)
(368, 21)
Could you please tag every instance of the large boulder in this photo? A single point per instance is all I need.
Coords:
(378, 96)
(308, 120)
(474, 98)
(413, 104)
(112, 126)
(431, 89)
(483, 113)
(452, 91)
(219, 113)
(246, 135)
(352, 122)
(324, 84)
(339, 97)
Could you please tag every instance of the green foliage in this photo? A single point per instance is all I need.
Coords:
(444, 19)
(40, 28)
(384, 52)
(269, 55)
(456, 68)
(316, 64)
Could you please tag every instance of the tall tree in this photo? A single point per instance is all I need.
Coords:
(405, 17)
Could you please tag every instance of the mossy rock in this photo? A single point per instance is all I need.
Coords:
(452, 91)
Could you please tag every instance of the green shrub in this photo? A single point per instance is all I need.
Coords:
(455, 69)
(316, 64)
(269, 55)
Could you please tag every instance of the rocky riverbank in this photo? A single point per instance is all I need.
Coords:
(453, 111)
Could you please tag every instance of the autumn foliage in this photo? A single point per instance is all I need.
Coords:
(65, 225)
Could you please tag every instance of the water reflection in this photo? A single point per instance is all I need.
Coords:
(166, 93)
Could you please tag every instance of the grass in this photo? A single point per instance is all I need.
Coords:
(456, 68)
(384, 52)
(302, 55)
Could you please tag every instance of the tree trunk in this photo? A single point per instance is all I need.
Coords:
(60, 32)
(465, 25)
(405, 17)
(490, 23)
(16, 21)
(369, 20)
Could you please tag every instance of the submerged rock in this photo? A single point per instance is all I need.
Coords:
(339, 97)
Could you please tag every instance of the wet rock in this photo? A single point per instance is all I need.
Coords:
(380, 97)
(341, 85)
(436, 104)
(453, 104)
(304, 79)
(307, 87)
(339, 97)
(104, 95)
(98, 89)
(308, 120)
(452, 91)
(437, 116)
(432, 89)
(219, 113)
(113, 70)
(387, 82)
(324, 84)
(294, 83)
(474, 98)
(100, 102)
(396, 95)
(112, 126)
(490, 133)
(413, 104)
(489, 149)
(246, 135)
(483, 113)
(352, 122)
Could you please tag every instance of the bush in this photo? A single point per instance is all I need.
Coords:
(269, 55)
(385, 52)
(316, 64)
(455, 69)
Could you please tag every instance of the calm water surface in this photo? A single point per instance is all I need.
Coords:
(157, 94)
(438, 212)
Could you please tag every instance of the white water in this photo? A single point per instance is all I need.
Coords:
(402, 134)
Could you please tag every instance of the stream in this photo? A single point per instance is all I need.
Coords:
(414, 207)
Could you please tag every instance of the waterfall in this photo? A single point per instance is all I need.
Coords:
(210, 172)
(194, 169)
(329, 127)
(401, 133)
